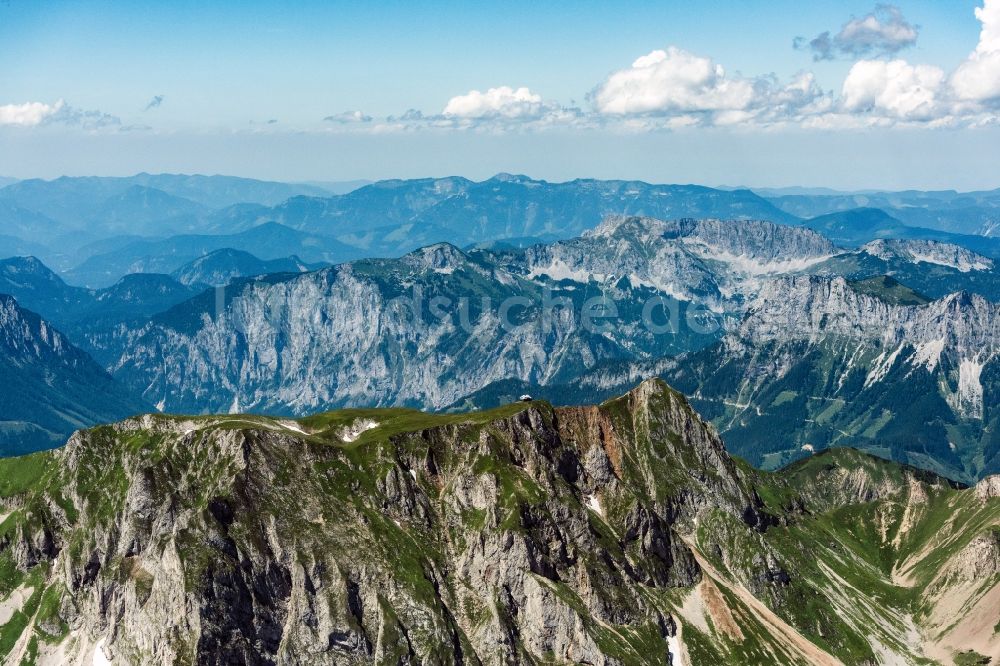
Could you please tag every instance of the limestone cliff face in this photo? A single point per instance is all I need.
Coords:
(956, 338)
(613, 534)
(928, 252)
(819, 361)
(813, 308)
(438, 324)
(491, 540)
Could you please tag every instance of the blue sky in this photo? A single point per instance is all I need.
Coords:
(897, 96)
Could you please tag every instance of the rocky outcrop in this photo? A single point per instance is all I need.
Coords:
(928, 252)
(601, 534)
(51, 386)
(811, 308)
(988, 488)
(439, 324)
(488, 540)
(957, 335)
(820, 363)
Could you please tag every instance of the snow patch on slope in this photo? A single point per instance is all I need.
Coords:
(293, 426)
(674, 647)
(748, 265)
(99, 658)
(962, 263)
(928, 252)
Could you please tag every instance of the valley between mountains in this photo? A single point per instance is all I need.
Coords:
(622, 533)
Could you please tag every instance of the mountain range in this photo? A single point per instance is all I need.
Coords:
(817, 363)
(846, 347)
(268, 241)
(580, 319)
(969, 213)
(51, 388)
(76, 224)
(613, 534)
(354, 335)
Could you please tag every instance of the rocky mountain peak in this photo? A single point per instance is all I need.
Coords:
(639, 226)
(930, 252)
(24, 334)
(28, 269)
(747, 241)
(988, 487)
(605, 534)
(440, 257)
(512, 178)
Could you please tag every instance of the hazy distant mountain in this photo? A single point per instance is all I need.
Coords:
(222, 191)
(267, 241)
(143, 204)
(51, 387)
(26, 224)
(85, 314)
(973, 213)
(66, 197)
(392, 217)
(5, 181)
(222, 266)
(40, 289)
(794, 190)
(12, 246)
(145, 211)
(857, 226)
(337, 186)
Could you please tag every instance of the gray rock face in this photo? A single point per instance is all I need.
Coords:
(808, 307)
(709, 261)
(50, 387)
(613, 534)
(956, 338)
(818, 363)
(494, 540)
(928, 252)
(347, 335)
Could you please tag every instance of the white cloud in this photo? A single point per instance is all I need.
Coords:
(684, 89)
(978, 78)
(349, 117)
(496, 103)
(882, 32)
(29, 114)
(673, 89)
(34, 114)
(672, 82)
(895, 89)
